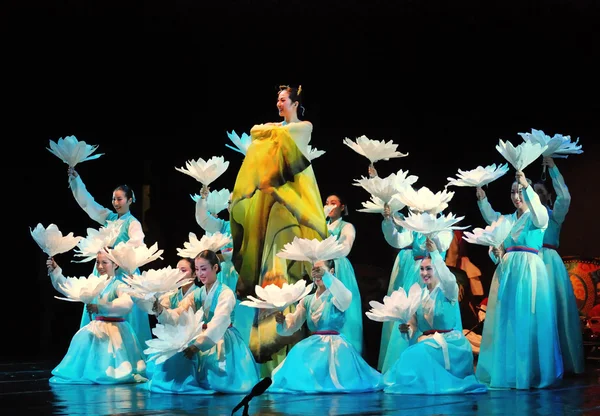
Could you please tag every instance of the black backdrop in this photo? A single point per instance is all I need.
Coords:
(157, 83)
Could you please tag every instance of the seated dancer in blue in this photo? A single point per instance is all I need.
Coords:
(439, 359)
(218, 360)
(325, 362)
(106, 350)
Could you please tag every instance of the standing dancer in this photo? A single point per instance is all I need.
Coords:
(275, 198)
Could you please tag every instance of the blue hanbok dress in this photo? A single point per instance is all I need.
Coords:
(325, 362)
(227, 366)
(106, 350)
(520, 347)
(244, 315)
(130, 231)
(439, 359)
(412, 245)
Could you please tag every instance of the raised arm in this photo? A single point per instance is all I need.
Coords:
(120, 306)
(56, 276)
(446, 277)
(395, 235)
(342, 297)
(86, 201)
(205, 220)
(487, 212)
(563, 196)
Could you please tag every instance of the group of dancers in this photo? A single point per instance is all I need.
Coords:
(531, 335)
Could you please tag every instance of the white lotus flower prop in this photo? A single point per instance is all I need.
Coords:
(154, 283)
(479, 176)
(213, 242)
(314, 153)
(521, 156)
(492, 235)
(72, 151)
(275, 297)
(424, 200)
(83, 289)
(397, 307)
(374, 150)
(241, 143)
(430, 224)
(205, 171)
(172, 339)
(51, 240)
(217, 201)
(377, 205)
(130, 257)
(304, 249)
(97, 240)
(558, 145)
(386, 188)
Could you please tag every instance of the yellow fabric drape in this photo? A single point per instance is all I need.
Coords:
(275, 198)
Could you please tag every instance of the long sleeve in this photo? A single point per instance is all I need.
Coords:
(171, 316)
(563, 196)
(342, 297)
(57, 279)
(120, 306)
(293, 321)
(394, 237)
(447, 280)
(487, 212)
(347, 236)
(205, 220)
(136, 234)
(539, 213)
(86, 201)
(216, 327)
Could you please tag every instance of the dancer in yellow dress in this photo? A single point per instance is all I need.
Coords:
(275, 198)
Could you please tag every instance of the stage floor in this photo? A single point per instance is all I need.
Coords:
(25, 391)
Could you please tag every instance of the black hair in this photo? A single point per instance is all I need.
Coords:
(212, 258)
(127, 191)
(343, 202)
(295, 95)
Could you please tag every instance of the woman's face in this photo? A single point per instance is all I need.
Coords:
(426, 271)
(184, 267)
(120, 202)
(318, 281)
(206, 273)
(516, 195)
(336, 206)
(284, 104)
(104, 265)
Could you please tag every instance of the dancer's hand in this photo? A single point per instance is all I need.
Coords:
(317, 272)
(430, 245)
(157, 308)
(548, 161)
(387, 211)
(372, 171)
(51, 264)
(92, 308)
(403, 328)
(72, 172)
(204, 192)
(480, 193)
(521, 179)
(279, 318)
(498, 252)
(190, 351)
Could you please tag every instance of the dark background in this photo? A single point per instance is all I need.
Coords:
(157, 83)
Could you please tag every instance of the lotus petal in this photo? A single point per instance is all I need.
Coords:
(521, 156)
(153, 283)
(275, 297)
(479, 176)
(130, 257)
(492, 235)
(377, 205)
(314, 153)
(398, 306)
(51, 240)
(558, 145)
(204, 171)
(172, 339)
(72, 151)
(430, 224)
(97, 240)
(83, 289)
(374, 150)
(241, 143)
(424, 200)
(304, 249)
(213, 242)
(386, 188)
(217, 201)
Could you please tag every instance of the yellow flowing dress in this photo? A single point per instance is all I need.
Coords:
(275, 198)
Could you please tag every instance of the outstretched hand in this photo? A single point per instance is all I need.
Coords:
(279, 317)
(430, 245)
(72, 172)
(548, 161)
(480, 193)
(51, 264)
(372, 171)
(403, 328)
(521, 179)
(190, 351)
(387, 211)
